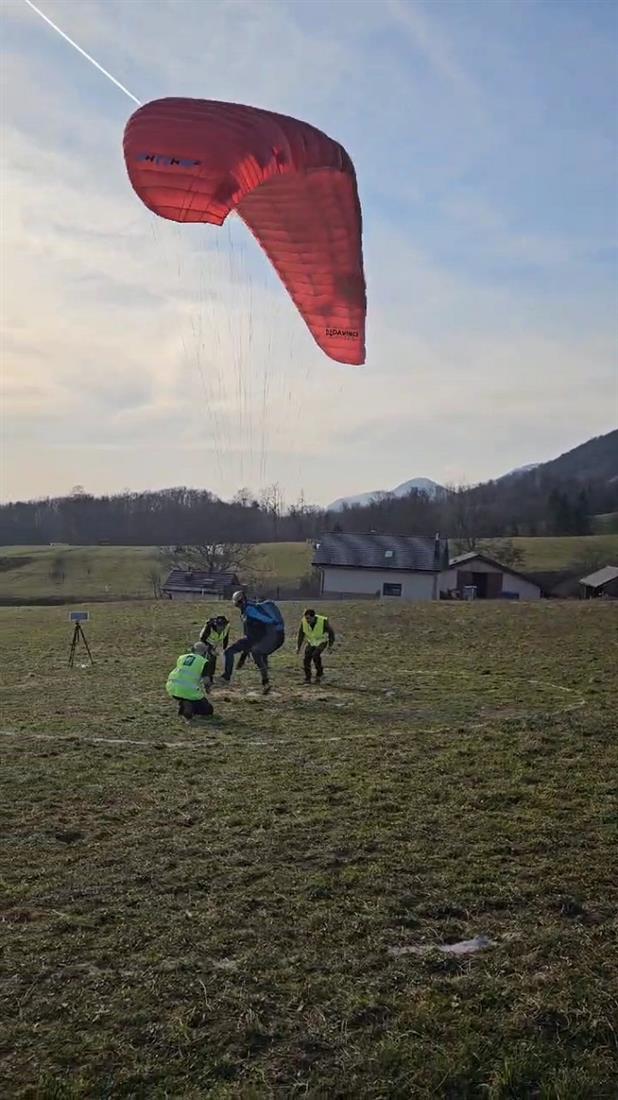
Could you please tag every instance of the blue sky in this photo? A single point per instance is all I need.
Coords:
(141, 355)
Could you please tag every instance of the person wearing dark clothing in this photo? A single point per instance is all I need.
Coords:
(315, 633)
(214, 633)
(264, 634)
(185, 684)
(195, 708)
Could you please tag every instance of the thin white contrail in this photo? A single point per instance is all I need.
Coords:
(83, 53)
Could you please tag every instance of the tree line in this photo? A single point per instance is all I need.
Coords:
(534, 503)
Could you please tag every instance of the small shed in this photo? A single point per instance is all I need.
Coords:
(487, 579)
(602, 583)
(196, 584)
(380, 566)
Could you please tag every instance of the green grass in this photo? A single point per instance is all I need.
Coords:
(283, 563)
(103, 571)
(117, 572)
(210, 912)
(606, 522)
(558, 552)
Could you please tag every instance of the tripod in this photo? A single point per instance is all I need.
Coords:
(77, 634)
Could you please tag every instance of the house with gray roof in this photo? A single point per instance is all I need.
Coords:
(196, 584)
(380, 566)
(604, 582)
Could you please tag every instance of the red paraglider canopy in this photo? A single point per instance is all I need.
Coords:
(195, 160)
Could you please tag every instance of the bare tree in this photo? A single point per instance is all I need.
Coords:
(297, 514)
(243, 497)
(154, 577)
(503, 550)
(273, 504)
(216, 557)
(463, 519)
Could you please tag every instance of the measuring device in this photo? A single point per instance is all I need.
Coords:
(77, 618)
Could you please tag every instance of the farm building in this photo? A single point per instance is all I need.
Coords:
(488, 578)
(187, 584)
(602, 583)
(380, 566)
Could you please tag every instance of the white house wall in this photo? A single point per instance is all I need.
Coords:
(447, 580)
(526, 590)
(368, 582)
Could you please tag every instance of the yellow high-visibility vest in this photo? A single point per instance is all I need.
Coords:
(315, 635)
(185, 680)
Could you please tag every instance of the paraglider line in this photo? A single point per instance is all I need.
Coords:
(83, 53)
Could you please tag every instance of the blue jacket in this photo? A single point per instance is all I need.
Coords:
(253, 612)
(258, 619)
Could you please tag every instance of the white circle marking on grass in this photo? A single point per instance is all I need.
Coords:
(212, 742)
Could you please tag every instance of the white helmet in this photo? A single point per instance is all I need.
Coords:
(238, 598)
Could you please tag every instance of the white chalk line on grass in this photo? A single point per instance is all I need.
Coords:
(275, 742)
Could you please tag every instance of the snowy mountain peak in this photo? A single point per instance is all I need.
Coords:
(420, 484)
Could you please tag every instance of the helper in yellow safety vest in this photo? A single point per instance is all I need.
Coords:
(315, 633)
(215, 633)
(185, 683)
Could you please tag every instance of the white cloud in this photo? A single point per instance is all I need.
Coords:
(139, 352)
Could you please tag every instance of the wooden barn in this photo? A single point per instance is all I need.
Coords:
(198, 584)
(602, 583)
(486, 579)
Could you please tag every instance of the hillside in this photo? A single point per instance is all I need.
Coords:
(117, 572)
(606, 523)
(595, 460)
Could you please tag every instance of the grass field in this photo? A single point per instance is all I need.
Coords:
(116, 572)
(606, 522)
(219, 911)
(557, 552)
(122, 571)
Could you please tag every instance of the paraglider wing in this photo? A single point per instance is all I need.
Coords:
(193, 160)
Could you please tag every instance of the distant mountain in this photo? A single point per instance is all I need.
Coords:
(520, 470)
(420, 484)
(596, 460)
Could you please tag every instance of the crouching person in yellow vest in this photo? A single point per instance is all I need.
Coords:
(185, 683)
(315, 633)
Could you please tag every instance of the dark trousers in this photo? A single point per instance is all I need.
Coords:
(211, 665)
(189, 708)
(271, 640)
(242, 646)
(313, 654)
